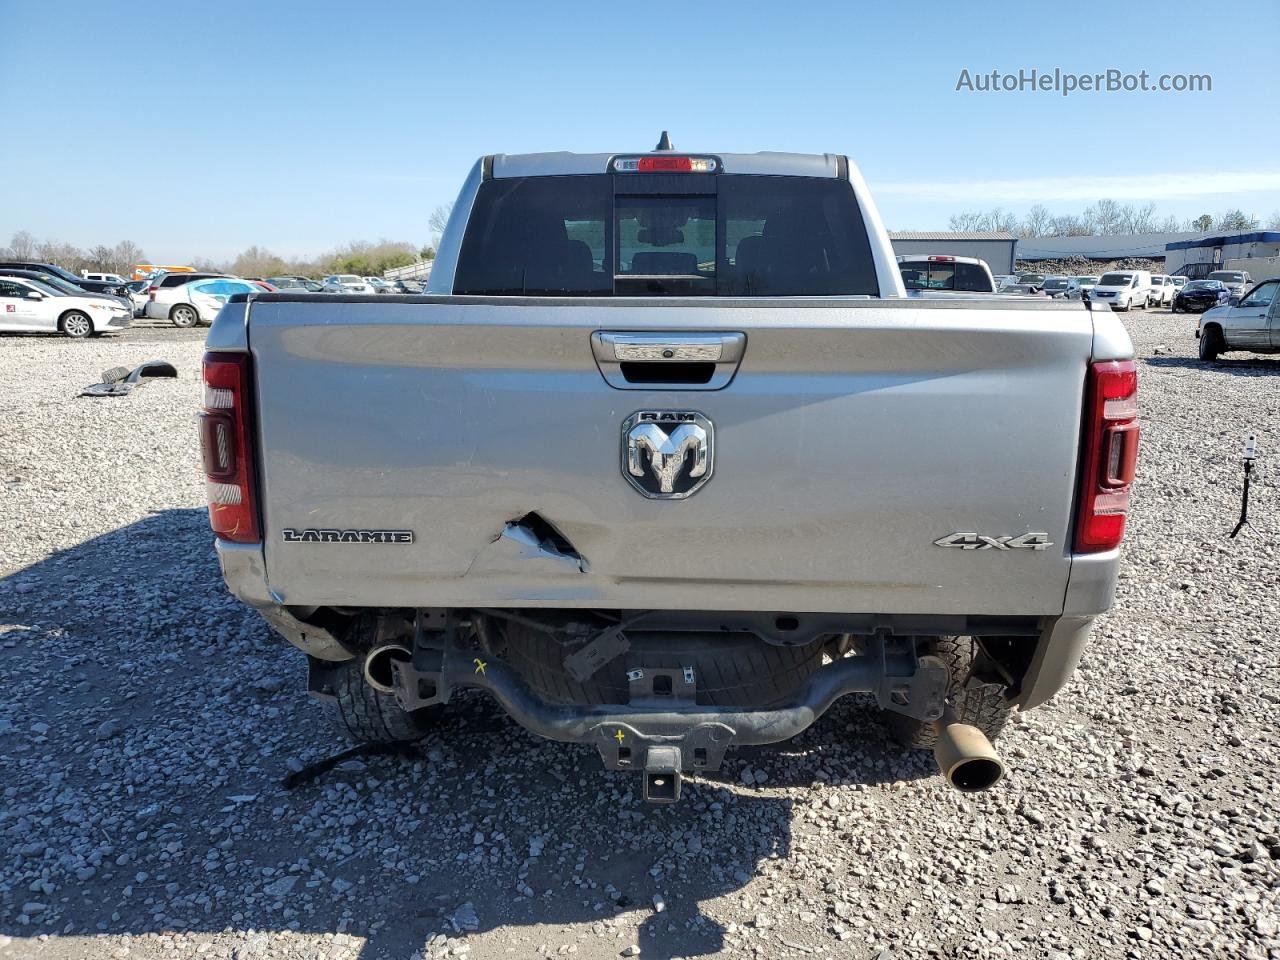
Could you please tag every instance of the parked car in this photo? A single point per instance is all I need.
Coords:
(1198, 296)
(163, 296)
(946, 273)
(1078, 287)
(1179, 281)
(29, 306)
(607, 545)
(305, 284)
(1237, 281)
(103, 277)
(346, 283)
(406, 286)
(1001, 279)
(1123, 289)
(1055, 287)
(1251, 322)
(379, 285)
(137, 291)
(199, 301)
(1031, 279)
(1162, 290)
(264, 286)
(62, 286)
(91, 286)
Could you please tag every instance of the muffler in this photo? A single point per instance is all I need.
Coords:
(965, 755)
(378, 672)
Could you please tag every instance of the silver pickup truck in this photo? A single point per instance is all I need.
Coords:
(667, 462)
(1249, 322)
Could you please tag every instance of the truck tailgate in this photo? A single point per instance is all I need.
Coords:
(854, 435)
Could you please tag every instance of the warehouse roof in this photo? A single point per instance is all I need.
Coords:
(1221, 239)
(1098, 247)
(961, 235)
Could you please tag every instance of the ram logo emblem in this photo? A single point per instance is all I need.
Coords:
(667, 454)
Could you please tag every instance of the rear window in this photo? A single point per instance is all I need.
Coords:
(1227, 276)
(672, 235)
(942, 275)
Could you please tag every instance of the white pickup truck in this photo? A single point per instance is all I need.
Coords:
(666, 461)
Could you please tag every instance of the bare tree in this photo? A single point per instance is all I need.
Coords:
(1036, 222)
(965, 222)
(1273, 223)
(124, 255)
(257, 262)
(1104, 217)
(65, 255)
(438, 220)
(100, 258)
(1069, 226)
(23, 246)
(1136, 219)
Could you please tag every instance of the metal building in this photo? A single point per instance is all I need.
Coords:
(997, 248)
(1197, 258)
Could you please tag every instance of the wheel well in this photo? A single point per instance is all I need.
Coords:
(175, 307)
(1211, 325)
(83, 313)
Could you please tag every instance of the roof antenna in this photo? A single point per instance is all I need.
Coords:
(664, 143)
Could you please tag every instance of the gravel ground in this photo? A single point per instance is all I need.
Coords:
(148, 717)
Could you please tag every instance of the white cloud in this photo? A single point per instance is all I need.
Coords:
(1159, 186)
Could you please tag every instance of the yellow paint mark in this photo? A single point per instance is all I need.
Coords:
(480, 665)
(619, 736)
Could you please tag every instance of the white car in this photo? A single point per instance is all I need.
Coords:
(200, 300)
(28, 306)
(1123, 289)
(1179, 282)
(347, 283)
(1162, 291)
(379, 285)
(103, 277)
(1078, 287)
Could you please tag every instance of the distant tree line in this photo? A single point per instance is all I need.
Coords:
(1104, 218)
(101, 258)
(362, 257)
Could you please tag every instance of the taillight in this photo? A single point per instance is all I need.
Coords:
(1110, 455)
(226, 450)
(151, 294)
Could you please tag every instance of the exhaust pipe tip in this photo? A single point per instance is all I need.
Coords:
(966, 758)
(378, 670)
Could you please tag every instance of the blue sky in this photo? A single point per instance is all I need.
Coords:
(299, 126)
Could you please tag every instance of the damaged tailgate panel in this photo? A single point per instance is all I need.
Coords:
(854, 435)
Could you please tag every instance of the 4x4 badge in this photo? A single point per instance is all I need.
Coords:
(978, 541)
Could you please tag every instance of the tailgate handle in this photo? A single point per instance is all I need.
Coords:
(684, 361)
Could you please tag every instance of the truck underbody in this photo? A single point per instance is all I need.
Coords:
(665, 693)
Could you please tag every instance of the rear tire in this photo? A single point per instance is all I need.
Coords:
(1211, 344)
(977, 703)
(367, 716)
(184, 316)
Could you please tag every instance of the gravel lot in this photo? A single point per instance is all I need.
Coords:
(147, 719)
